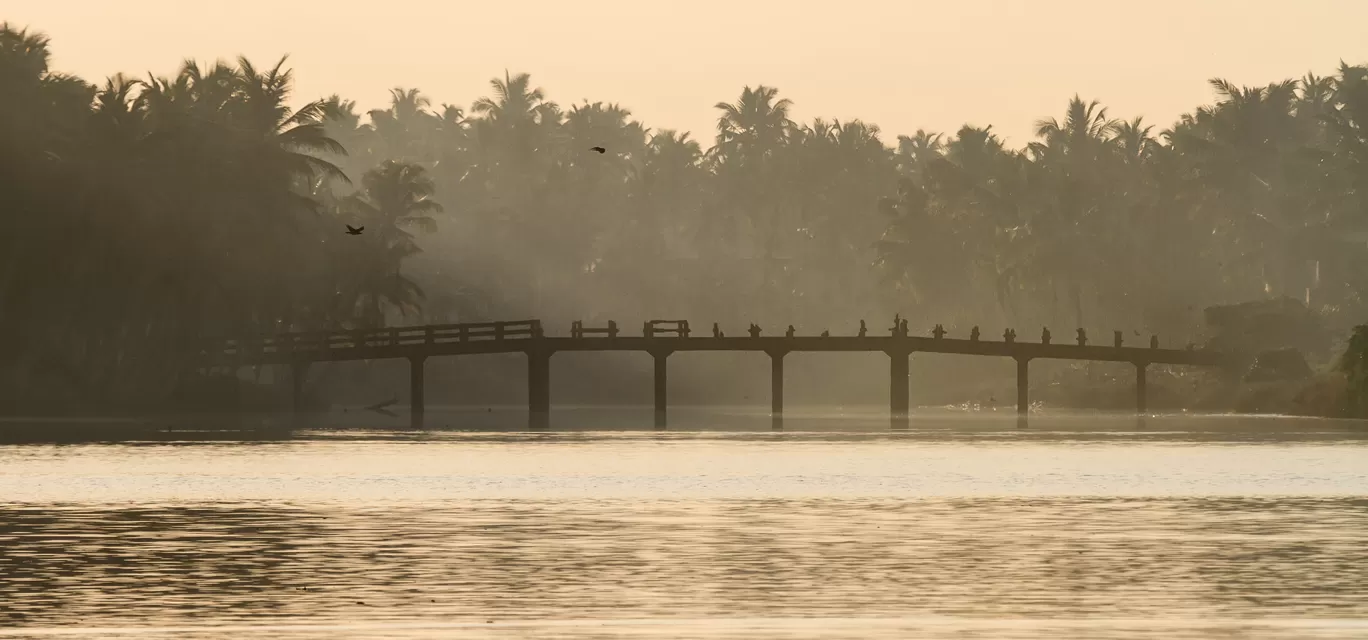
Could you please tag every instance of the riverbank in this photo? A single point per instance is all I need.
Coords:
(1173, 389)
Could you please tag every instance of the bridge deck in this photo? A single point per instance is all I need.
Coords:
(277, 352)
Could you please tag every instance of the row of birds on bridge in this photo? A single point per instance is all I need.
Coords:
(899, 328)
(356, 231)
(680, 328)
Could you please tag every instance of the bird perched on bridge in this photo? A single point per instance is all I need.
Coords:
(601, 150)
(355, 231)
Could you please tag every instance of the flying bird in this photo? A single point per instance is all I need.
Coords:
(382, 405)
(598, 149)
(355, 231)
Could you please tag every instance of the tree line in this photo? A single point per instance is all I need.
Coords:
(143, 214)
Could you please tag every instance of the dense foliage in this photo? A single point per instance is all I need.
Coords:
(1353, 363)
(1100, 223)
(142, 214)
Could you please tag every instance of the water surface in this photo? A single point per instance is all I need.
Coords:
(1077, 527)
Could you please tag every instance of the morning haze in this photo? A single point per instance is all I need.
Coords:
(902, 65)
(1034, 320)
(989, 170)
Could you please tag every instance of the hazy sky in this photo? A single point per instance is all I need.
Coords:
(902, 64)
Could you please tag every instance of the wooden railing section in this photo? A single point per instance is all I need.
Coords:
(578, 330)
(304, 343)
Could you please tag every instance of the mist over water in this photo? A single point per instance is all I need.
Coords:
(960, 527)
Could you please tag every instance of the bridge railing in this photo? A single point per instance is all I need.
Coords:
(312, 342)
(578, 330)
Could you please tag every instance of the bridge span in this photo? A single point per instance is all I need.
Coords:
(660, 339)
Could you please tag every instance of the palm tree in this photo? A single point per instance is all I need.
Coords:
(376, 286)
(38, 104)
(751, 132)
(517, 118)
(956, 227)
(915, 151)
(607, 125)
(1085, 127)
(342, 123)
(755, 125)
(295, 138)
(1076, 192)
(514, 140)
(1341, 265)
(396, 195)
(1242, 149)
(1133, 140)
(833, 169)
(407, 130)
(515, 101)
(24, 56)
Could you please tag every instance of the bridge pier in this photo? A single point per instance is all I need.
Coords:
(777, 389)
(1023, 386)
(899, 397)
(661, 372)
(1140, 388)
(416, 403)
(539, 389)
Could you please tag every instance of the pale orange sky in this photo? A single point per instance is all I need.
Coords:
(901, 64)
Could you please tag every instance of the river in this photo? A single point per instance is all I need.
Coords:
(960, 527)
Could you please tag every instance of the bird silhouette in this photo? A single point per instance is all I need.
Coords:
(384, 404)
(355, 231)
(598, 149)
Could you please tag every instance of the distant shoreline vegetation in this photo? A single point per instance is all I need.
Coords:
(144, 213)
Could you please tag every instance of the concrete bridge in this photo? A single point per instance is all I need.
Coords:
(660, 339)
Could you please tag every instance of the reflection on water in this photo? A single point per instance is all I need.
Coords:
(1055, 533)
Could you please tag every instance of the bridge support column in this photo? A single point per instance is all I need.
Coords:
(416, 403)
(899, 398)
(1023, 386)
(539, 389)
(1140, 391)
(299, 373)
(661, 372)
(777, 389)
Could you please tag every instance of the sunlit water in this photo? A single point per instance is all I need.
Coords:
(837, 528)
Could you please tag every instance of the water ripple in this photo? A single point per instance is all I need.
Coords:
(418, 539)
